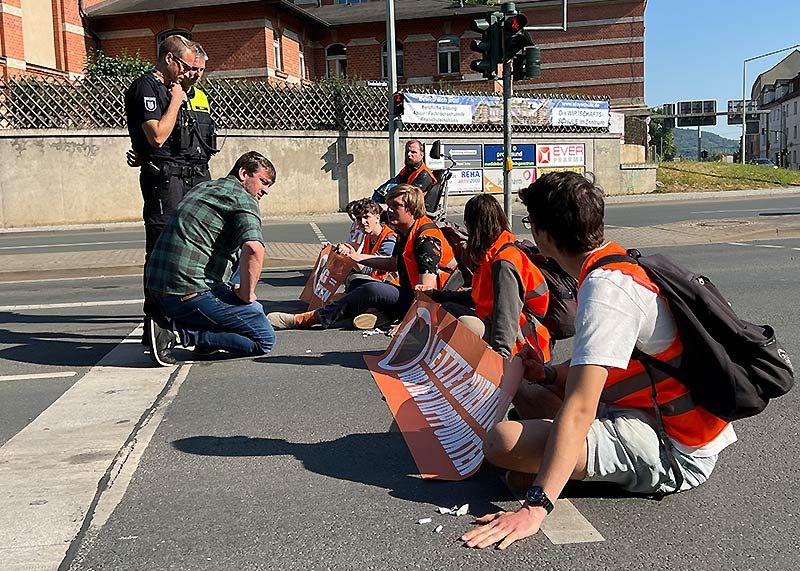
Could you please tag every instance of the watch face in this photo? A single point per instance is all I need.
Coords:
(535, 496)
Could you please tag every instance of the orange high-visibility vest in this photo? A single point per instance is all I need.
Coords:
(413, 176)
(536, 294)
(447, 265)
(371, 248)
(684, 421)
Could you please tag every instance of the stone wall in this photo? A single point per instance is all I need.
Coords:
(50, 178)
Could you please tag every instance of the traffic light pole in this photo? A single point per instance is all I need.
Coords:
(391, 68)
(508, 8)
(507, 164)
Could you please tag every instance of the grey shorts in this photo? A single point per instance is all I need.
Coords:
(623, 448)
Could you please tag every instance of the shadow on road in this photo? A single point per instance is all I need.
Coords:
(380, 460)
(53, 346)
(351, 359)
(285, 278)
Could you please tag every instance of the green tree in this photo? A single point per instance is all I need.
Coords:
(661, 137)
(98, 64)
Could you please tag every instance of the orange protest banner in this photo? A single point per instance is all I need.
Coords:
(446, 389)
(328, 275)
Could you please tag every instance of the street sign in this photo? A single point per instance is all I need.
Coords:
(669, 109)
(735, 111)
(697, 113)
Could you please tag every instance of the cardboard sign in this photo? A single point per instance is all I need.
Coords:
(327, 277)
(446, 389)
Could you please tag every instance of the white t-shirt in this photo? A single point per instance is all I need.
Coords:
(616, 314)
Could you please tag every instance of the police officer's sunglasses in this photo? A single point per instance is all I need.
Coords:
(184, 66)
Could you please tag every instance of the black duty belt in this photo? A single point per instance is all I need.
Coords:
(183, 171)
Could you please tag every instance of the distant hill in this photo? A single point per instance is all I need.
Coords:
(686, 143)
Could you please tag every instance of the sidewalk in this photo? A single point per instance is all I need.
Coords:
(43, 265)
(293, 255)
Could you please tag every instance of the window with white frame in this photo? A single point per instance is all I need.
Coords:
(398, 58)
(336, 60)
(449, 53)
(276, 48)
(302, 58)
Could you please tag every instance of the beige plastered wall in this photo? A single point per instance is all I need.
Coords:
(53, 178)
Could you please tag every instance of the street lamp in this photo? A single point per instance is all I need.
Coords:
(744, 87)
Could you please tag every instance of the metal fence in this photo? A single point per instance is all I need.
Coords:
(59, 103)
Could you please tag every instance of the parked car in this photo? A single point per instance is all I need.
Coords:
(764, 163)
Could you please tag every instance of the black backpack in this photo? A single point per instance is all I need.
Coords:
(730, 366)
(456, 235)
(560, 317)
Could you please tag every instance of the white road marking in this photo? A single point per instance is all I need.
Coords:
(740, 210)
(619, 227)
(69, 305)
(737, 244)
(37, 376)
(32, 246)
(320, 236)
(53, 471)
(70, 279)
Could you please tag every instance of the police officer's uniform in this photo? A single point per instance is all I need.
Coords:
(168, 172)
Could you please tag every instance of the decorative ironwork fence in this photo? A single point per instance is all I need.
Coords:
(53, 103)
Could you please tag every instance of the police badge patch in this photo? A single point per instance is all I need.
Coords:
(150, 104)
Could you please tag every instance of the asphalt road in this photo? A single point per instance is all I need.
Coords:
(292, 461)
(334, 228)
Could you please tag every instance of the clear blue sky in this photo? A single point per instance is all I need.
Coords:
(694, 49)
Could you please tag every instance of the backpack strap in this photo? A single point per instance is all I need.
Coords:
(648, 361)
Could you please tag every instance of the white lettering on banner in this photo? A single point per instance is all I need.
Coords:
(322, 292)
(462, 446)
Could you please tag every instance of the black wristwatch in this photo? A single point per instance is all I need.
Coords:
(537, 498)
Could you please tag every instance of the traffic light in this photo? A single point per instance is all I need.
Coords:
(489, 46)
(515, 38)
(398, 105)
(528, 63)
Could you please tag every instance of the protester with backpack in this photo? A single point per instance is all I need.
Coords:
(607, 427)
(422, 255)
(509, 295)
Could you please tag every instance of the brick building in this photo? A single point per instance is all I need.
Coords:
(602, 53)
(42, 37)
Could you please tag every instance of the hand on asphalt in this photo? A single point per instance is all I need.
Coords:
(504, 527)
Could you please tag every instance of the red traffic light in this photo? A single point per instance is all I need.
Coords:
(398, 107)
(516, 23)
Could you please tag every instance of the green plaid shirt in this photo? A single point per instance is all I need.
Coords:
(196, 249)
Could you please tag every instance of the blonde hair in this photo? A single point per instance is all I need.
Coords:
(413, 199)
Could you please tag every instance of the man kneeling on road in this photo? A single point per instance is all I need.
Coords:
(422, 255)
(593, 418)
(187, 273)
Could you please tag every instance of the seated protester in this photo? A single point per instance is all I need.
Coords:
(187, 273)
(605, 428)
(508, 294)
(415, 171)
(377, 240)
(422, 256)
(356, 237)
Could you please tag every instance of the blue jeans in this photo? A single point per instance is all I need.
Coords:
(218, 319)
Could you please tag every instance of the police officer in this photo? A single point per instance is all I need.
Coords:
(160, 127)
(198, 121)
